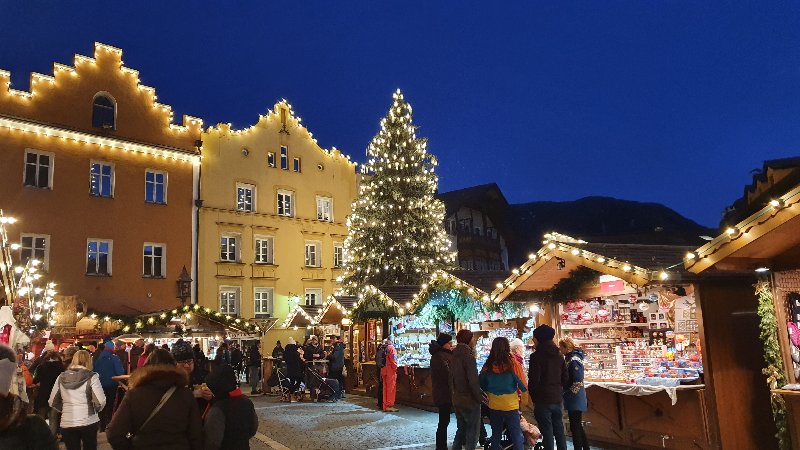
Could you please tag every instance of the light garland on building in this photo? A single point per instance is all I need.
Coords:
(165, 318)
(100, 50)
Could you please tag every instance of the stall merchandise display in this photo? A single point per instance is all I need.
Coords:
(484, 345)
(411, 339)
(651, 341)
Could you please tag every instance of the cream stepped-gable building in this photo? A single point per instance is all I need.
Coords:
(272, 219)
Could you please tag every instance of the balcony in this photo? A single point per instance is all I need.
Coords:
(467, 240)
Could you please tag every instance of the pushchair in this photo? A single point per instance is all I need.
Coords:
(280, 382)
(322, 389)
(531, 436)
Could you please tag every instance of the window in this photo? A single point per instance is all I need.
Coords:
(312, 254)
(263, 301)
(155, 260)
(313, 297)
(245, 197)
(467, 264)
(284, 158)
(451, 227)
(296, 165)
(104, 112)
(338, 254)
(155, 186)
(480, 264)
(264, 250)
(38, 169)
(98, 257)
(271, 159)
(491, 232)
(34, 246)
(101, 183)
(229, 248)
(229, 300)
(324, 209)
(285, 206)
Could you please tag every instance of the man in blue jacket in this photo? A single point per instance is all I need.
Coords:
(108, 365)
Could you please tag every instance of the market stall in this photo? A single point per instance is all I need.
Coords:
(638, 316)
(334, 320)
(767, 243)
(418, 314)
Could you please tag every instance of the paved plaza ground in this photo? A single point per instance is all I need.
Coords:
(351, 424)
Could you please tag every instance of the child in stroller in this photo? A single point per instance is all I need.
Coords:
(529, 431)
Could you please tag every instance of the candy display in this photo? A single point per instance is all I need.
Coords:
(636, 339)
(411, 339)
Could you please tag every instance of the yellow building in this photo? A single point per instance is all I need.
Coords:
(272, 219)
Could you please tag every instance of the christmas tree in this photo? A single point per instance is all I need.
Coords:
(396, 228)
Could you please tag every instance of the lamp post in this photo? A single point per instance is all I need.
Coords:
(184, 286)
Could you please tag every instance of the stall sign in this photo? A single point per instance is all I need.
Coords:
(239, 335)
(489, 326)
(607, 287)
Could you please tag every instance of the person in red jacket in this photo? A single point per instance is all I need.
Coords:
(389, 377)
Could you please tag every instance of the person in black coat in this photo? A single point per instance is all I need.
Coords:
(294, 365)
(254, 367)
(237, 360)
(547, 377)
(336, 365)
(441, 358)
(46, 375)
(231, 421)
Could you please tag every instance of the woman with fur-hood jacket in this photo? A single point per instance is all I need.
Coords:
(176, 426)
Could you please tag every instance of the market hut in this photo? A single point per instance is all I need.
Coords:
(398, 310)
(767, 243)
(662, 364)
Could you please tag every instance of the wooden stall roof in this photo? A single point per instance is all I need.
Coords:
(302, 316)
(560, 254)
(484, 280)
(336, 309)
(768, 238)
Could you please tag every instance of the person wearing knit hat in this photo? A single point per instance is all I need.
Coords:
(544, 333)
(182, 351)
(547, 374)
(231, 421)
(108, 365)
(441, 359)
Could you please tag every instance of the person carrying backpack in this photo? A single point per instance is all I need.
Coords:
(380, 363)
(231, 421)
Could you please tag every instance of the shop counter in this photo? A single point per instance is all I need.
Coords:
(414, 386)
(649, 418)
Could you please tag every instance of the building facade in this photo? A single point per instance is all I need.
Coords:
(101, 182)
(475, 222)
(273, 217)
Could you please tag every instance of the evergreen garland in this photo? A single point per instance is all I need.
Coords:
(570, 287)
(772, 356)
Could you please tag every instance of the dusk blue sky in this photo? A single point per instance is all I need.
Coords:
(666, 101)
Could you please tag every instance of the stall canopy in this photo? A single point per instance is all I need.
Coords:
(768, 239)
(336, 309)
(302, 316)
(560, 256)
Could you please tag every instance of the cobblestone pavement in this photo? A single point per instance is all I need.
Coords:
(352, 424)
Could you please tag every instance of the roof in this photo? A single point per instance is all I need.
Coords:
(560, 254)
(484, 280)
(476, 197)
(770, 237)
(302, 316)
(336, 309)
(774, 178)
(401, 293)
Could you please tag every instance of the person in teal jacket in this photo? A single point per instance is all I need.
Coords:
(498, 381)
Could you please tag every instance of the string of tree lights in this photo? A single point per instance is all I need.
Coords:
(396, 232)
(31, 298)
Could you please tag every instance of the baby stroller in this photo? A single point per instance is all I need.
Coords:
(323, 389)
(282, 384)
(530, 433)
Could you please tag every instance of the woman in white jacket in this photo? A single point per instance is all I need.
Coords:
(79, 396)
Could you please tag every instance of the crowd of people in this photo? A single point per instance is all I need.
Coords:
(500, 388)
(298, 361)
(175, 398)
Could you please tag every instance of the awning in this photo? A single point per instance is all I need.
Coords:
(770, 238)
